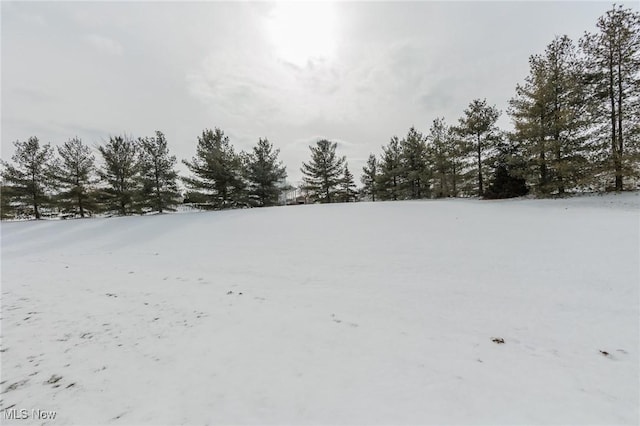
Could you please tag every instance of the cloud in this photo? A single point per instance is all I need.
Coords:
(263, 88)
(393, 66)
(440, 97)
(105, 44)
(34, 19)
(24, 15)
(32, 94)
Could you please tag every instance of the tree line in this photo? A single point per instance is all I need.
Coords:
(576, 127)
(136, 176)
(576, 124)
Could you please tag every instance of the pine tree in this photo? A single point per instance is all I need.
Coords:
(157, 174)
(218, 171)
(440, 158)
(264, 173)
(323, 174)
(414, 165)
(508, 164)
(120, 171)
(478, 127)
(548, 114)
(7, 209)
(369, 178)
(613, 58)
(530, 115)
(457, 152)
(391, 177)
(568, 125)
(29, 178)
(348, 191)
(74, 175)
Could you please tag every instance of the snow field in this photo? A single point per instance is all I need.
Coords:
(366, 313)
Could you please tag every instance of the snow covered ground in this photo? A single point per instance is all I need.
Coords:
(367, 313)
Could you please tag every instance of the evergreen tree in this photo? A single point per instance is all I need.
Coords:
(548, 114)
(323, 174)
(508, 165)
(369, 177)
(29, 178)
(391, 177)
(348, 191)
(74, 175)
(7, 209)
(530, 117)
(457, 151)
(478, 127)
(157, 174)
(218, 171)
(414, 165)
(441, 159)
(120, 171)
(568, 125)
(264, 172)
(613, 58)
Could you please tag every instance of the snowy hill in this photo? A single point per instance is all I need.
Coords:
(367, 313)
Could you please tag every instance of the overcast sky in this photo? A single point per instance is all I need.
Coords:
(353, 72)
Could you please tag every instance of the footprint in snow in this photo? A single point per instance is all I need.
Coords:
(338, 321)
(53, 380)
(16, 385)
(118, 416)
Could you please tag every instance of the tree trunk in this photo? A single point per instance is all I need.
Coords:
(34, 194)
(559, 166)
(614, 150)
(560, 178)
(542, 156)
(543, 170)
(158, 196)
(394, 195)
(556, 137)
(327, 188)
(480, 189)
(80, 205)
(77, 182)
(453, 183)
(123, 205)
(619, 172)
